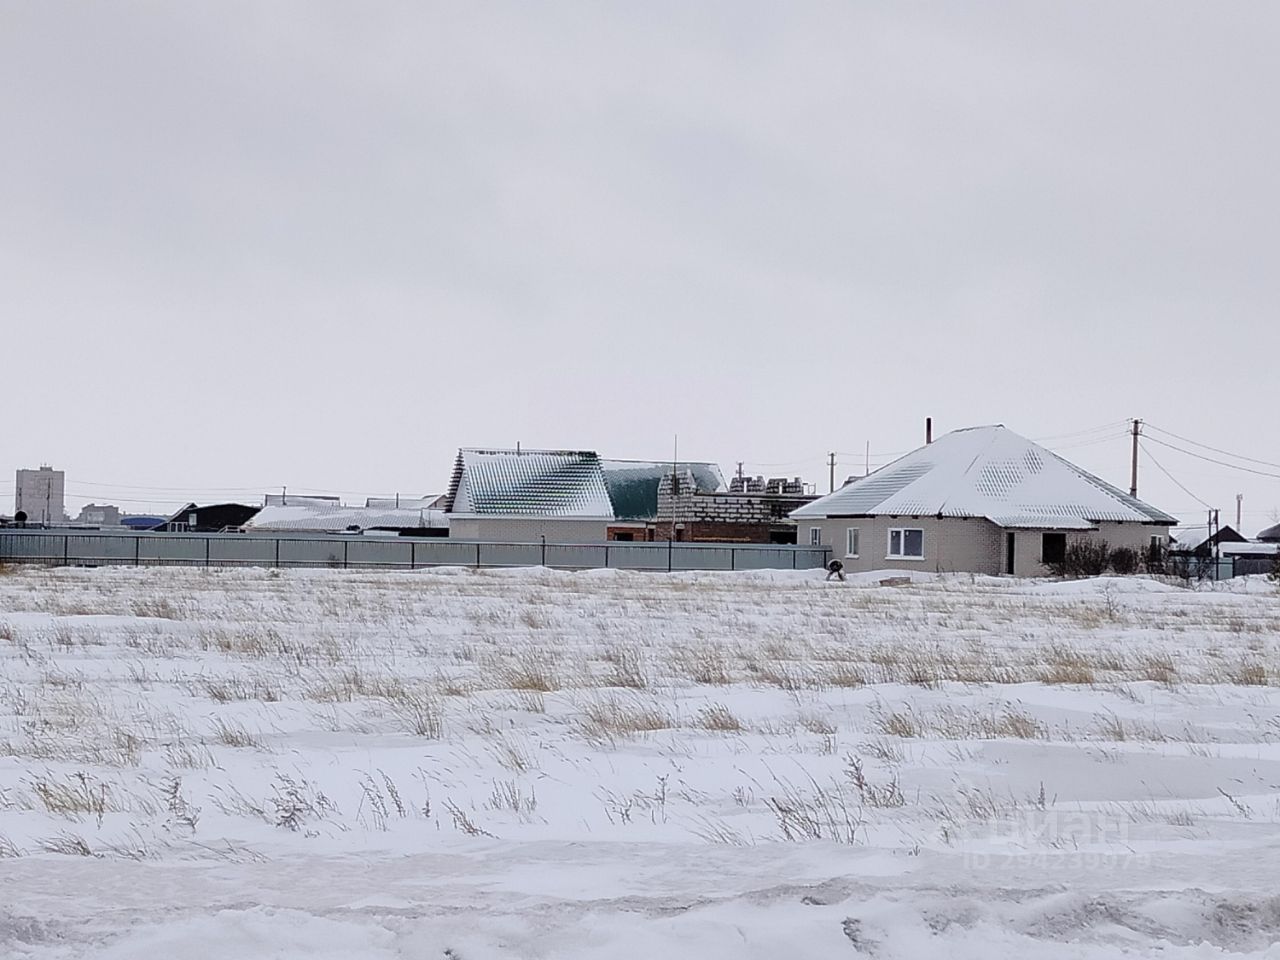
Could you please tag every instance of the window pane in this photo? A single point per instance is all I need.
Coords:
(815, 536)
(851, 546)
(895, 543)
(913, 543)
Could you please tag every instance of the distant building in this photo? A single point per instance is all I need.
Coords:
(99, 515)
(409, 519)
(297, 499)
(212, 518)
(1200, 540)
(141, 521)
(40, 495)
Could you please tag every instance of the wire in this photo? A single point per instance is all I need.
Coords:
(1227, 453)
(1111, 438)
(1079, 433)
(1221, 463)
(1176, 481)
(134, 487)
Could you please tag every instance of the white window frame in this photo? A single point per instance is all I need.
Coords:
(815, 536)
(852, 536)
(902, 540)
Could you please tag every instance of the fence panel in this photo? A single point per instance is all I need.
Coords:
(96, 548)
(394, 552)
(581, 556)
(510, 554)
(169, 549)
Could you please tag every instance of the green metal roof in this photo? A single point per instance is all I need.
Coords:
(633, 484)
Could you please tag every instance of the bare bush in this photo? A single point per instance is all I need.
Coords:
(1083, 558)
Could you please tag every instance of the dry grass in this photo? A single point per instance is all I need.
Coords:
(612, 716)
(1006, 722)
(72, 797)
(231, 734)
(719, 718)
(531, 671)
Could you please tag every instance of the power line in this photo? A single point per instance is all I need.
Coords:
(1080, 433)
(1176, 481)
(1226, 453)
(1110, 438)
(136, 487)
(1221, 463)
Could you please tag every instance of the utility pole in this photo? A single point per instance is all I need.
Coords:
(1133, 472)
(675, 492)
(831, 462)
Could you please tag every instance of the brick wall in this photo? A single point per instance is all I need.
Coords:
(726, 517)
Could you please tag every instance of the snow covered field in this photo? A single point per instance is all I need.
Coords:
(464, 765)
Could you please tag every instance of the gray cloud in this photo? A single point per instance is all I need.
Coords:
(325, 244)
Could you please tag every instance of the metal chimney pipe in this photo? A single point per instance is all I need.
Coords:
(928, 429)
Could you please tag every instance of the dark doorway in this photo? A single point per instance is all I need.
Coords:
(1009, 540)
(1053, 548)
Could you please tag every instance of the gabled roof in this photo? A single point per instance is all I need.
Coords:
(540, 483)
(633, 484)
(989, 472)
(1271, 534)
(1193, 537)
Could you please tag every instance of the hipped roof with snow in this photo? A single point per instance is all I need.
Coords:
(988, 472)
(537, 483)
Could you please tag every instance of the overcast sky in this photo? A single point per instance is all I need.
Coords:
(324, 245)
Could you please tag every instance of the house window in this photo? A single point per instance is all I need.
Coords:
(1053, 548)
(851, 542)
(815, 536)
(906, 543)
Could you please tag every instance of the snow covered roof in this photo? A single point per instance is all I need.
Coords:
(335, 518)
(542, 483)
(1194, 536)
(1270, 534)
(988, 472)
(431, 502)
(1188, 538)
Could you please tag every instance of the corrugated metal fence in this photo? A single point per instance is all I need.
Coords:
(93, 548)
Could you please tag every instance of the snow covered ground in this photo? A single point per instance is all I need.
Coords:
(464, 765)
